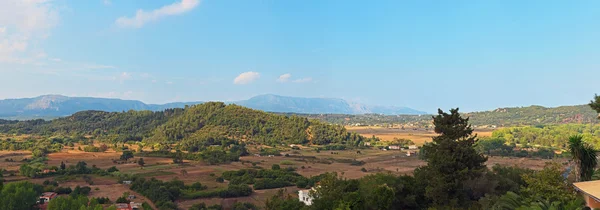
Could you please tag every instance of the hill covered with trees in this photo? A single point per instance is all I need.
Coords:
(501, 117)
(208, 123)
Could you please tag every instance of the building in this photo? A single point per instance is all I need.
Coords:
(47, 196)
(126, 182)
(413, 147)
(135, 206)
(411, 153)
(590, 192)
(304, 197)
(394, 147)
(123, 206)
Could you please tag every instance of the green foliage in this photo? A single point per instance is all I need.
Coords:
(282, 200)
(549, 135)
(19, 195)
(451, 161)
(74, 202)
(502, 117)
(126, 155)
(584, 156)
(548, 184)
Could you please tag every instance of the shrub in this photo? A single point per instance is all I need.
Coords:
(220, 180)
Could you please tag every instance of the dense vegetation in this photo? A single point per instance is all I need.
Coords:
(205, 123)
(455, 177)
(502, 117)
(549, 135)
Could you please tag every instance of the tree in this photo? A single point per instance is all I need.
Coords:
(62, 165)
(547, 184)
(126, 155)
(595, 104)
(275, 167)
(282, 200)
(451, 161)
(584, 156)
(19, 195)
(183, 172)
(141, 162)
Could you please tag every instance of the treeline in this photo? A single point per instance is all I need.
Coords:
(276, 177)
(502, 117)
(549, 135)
(164, 194)
(205, 123)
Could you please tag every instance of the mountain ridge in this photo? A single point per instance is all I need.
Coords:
(51, 106)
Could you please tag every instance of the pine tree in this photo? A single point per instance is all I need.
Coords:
(451, 160)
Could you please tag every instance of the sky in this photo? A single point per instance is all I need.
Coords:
(475, 55)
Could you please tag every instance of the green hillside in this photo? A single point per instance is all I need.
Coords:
(199, 123)
(502, 117)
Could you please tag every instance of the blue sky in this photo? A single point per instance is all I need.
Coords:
(476, 55)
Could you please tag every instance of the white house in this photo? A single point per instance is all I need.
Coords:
(304, 197)
(394, 147)
(413, 147)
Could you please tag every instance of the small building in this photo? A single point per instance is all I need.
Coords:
(590, 192)
(47, 197)
(394, 147)
(126, 182)
(367, 143)
(413, 147)
(411, 153)
(304, 197)
(123, 206)
(135, 206)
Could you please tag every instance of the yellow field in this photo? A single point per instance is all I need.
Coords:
(418, 136)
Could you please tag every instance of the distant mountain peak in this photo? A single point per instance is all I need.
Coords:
(59, 105)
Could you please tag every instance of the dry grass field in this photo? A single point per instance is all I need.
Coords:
(418, 136)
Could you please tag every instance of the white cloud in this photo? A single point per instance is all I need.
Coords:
(284, 77)
(246, 78)
(56, 59)
(23, 24)
(107, 2)
(303, 80)
(142, 17)
(287, 78)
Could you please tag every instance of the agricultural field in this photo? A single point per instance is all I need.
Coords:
(418, 135)
(307, 161)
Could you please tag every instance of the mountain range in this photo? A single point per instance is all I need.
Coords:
(52, 106)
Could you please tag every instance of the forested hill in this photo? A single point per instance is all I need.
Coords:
(199, 124)
(502, 117)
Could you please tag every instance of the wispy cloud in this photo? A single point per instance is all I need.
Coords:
(288, 78)
(284, 77)
(142, 17)
(246, 78)
(22, 25)
(106, 2)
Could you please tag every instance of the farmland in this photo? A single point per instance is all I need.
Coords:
(307, 161)
(418, 135)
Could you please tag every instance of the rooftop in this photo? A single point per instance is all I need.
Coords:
(591, 188)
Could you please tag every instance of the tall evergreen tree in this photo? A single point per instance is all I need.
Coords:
(451, 160)
(595, 104)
